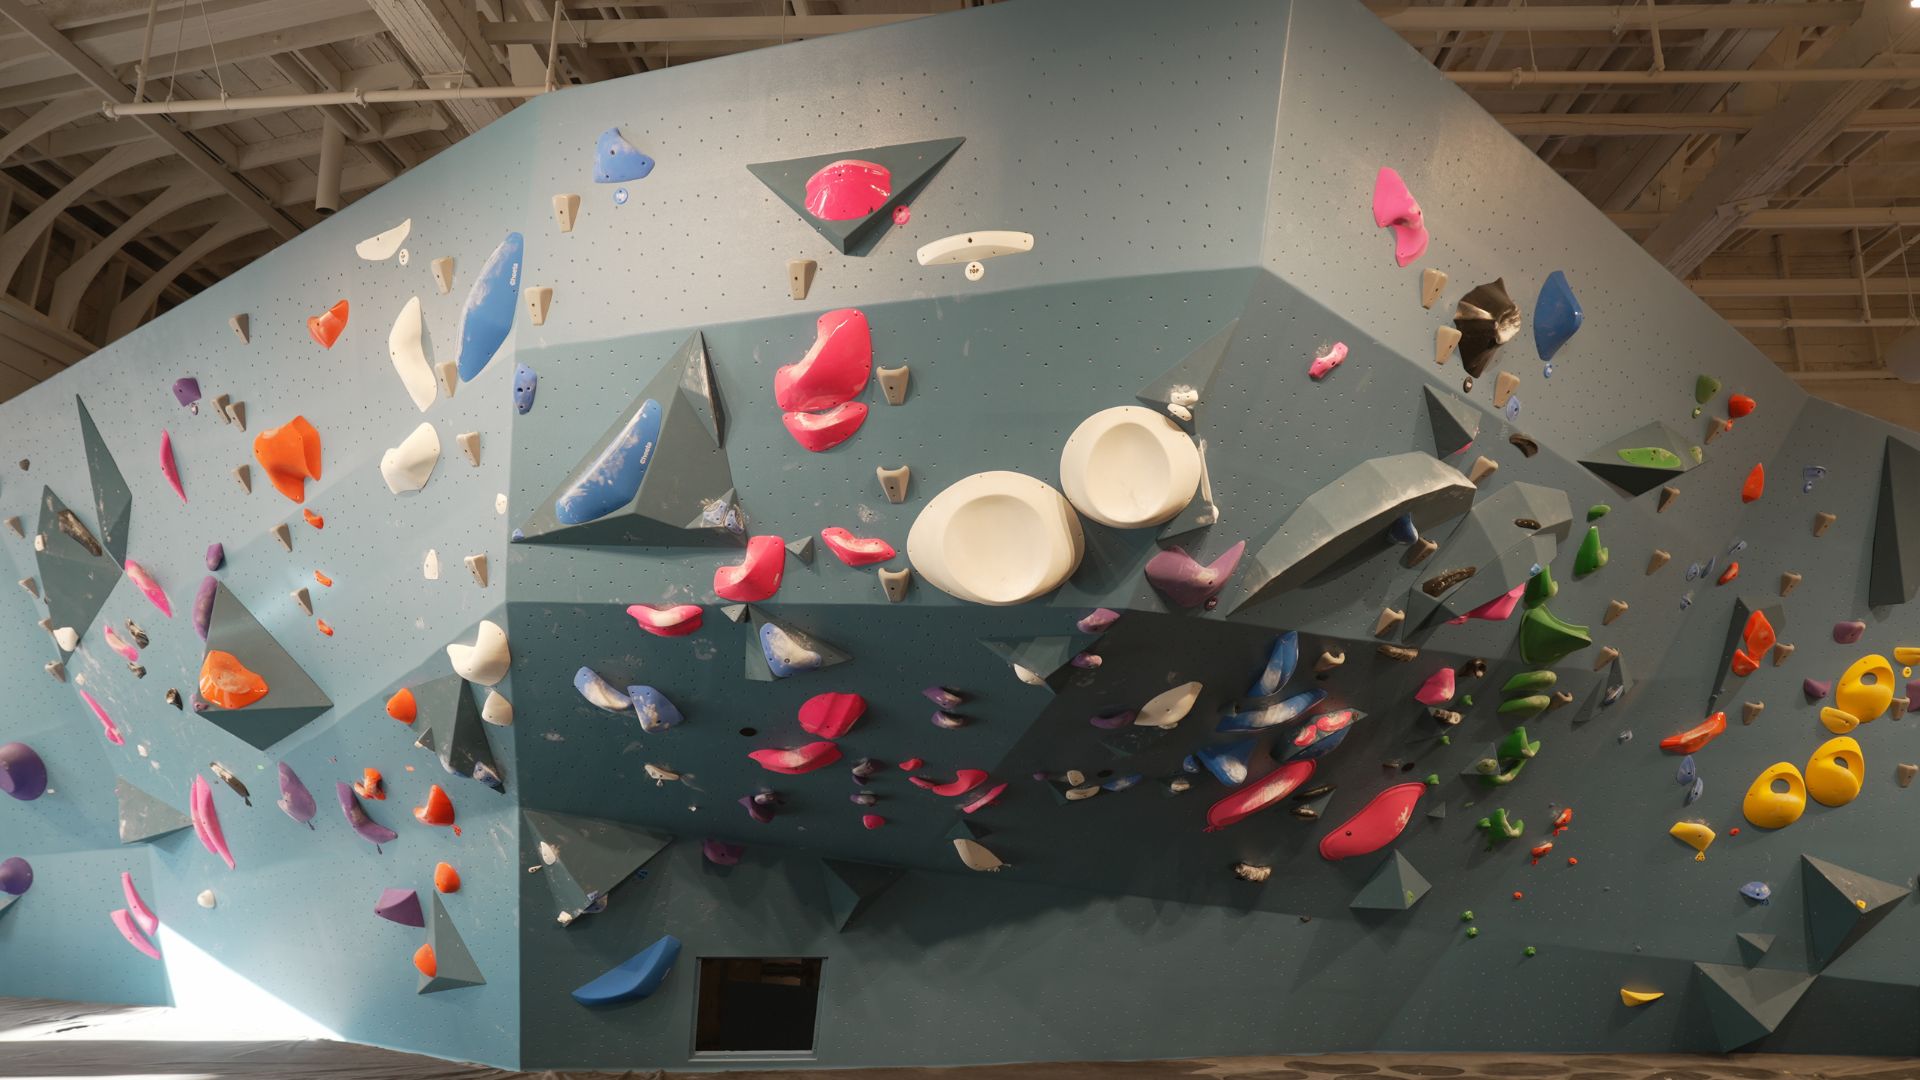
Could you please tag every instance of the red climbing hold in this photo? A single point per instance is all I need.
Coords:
(1743, 665)
(439, 808)
(831, 715)
(1739, 405)
(805, 759)
(1756, 483)
(1377, 824)
(314, 519)
(1732, 571)
(825, 430)
(1540, 851)
(402, 707)
(1260, 794)
(1697, 736)
(757, 576)
(1758, 635)
(1562, 820)
(963, 781)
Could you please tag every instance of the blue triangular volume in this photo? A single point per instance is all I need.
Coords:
(911, 166)
(112, 500)
(74, 581)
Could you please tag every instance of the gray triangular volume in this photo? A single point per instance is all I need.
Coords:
(74, 582)
(450, 727)
(1607, 691)
(1396, 886)
(1746, 1004)
(1842, 905)
(453, 964)
(1045, 657)
(802, 548)
(759, 670)
(1753, 946)
(1895, 574)
(1743, 609)
(1499, 554)
(1189, 383)
(964, 829)
(293, 698)
(6, 901)
(1452, 423)
(143, 817)
(1637, 479)
(852, 887)
(911, 165)
(684, 494)
(586, 857)
(112, 500)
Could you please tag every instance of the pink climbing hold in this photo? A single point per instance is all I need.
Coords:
(666, 620)
(1184, 580)
(1438, 689)
(1494, 610)
(834, 370)
(848, 189)
(1377, 824)
(757, 576)
(143, 915)
(872, 821)
(148, 587)
(1328, 358)
(822, 431)
(168, 468)
(123, 922)
(854, 550)
(113, 732)
(911, 764)
(831, 715)
(902, 214)
(983, 801)
(206, 820)
(963, 781)
(1260, 794)
(805, 759)
(1393, 207)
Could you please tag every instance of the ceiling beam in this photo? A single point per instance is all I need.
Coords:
(714, 28)
(1685, 123)
(190, 148)
(1826, 217)
(44, 119)
(119, 43)
(443, 38)
(1616, 18)
(131, 311)
(16, 242)
(1812, 286)
(71, 286)
(411, 121)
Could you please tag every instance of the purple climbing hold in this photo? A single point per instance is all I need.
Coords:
(401, 906)
(295, 800)
(1187, 583)
(1913, 690)
(1846, 633)
(186, 391)
(1815, 689)
(1097, 621)
(722, 853)
(216, 556)
(1112, 721)
(203, 606)
(761, 807)
(22, 774)
(16, 876)
(943, 697)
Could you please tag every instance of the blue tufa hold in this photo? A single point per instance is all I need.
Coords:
(1686, 601)
(1282, 657)
(787, 655)
(1261, 717)
(1738, 547)
(1403, 530)
(1698, 789)
(1687, 771)
(614, 478)
(1757, 891)
(1556, 316)
(1809, 475)
(656, 713)
(1512, 408)
(487, 317)
(1122, 783)
(1228, 761)
(616, 161)
(525, 382)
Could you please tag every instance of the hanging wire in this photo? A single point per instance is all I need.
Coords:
(207, 26)
(179, 34)
(146, 50)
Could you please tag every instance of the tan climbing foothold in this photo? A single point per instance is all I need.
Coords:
(1503, 387)
(1444, 339)
(1432, 283)
(1400, 654)
(237, 412)
(1327, 662)
(1388, 622)
(1897, 707)
(1560, 697)
(304, 598)
(1667, 495)
(1820, 522)
(470, 442)
(244, 474)
(1615, 609)
(1419, 550)
(566, 208)
(242, 326)
(1658, 560)
(1717, 427)
(220, 404)
(894, 583)
(538, 299)
(800, 277)
(893, 383)
(1788, 581)
(281, 534)
(477, 566)
(13, 523)
(443, 273)
(1750, 711)
(1904, 773)
(893, 482)
(32, 587)
(1608, 654)
(449, 371)
(1781, 652)
(1483, 467)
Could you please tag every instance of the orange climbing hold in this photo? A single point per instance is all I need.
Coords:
(439, 808)
(323, 579)
(1732, 571)
(1697, 736)
(314, 519)
(1540, 851)
(290, 454)
(228, 683)
(325, 626)
(327, 326)
(1743, 665)
(446, 878)
(402, 707)
(371, 785)
(1756, 484)
(423, 957)
(1740, 405)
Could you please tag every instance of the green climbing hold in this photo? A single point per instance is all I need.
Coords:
(1473, 931)
(1531, 950)
(1432, 779)
(1698, 454)
(1696, 412)
(1498, 828)
(1650, 457)
(1598, 511)
(1466, 916)
(1516, 747)
(1704, 388)
(1525, 708)
(1540, 588)
(1591, 556)
(1467, 700)
(1530, 682)
(1546, 639)
(1446, 740)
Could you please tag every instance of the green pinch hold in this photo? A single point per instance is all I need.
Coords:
(1525, 708)
(1696, 412)
(1650, 457)
(1531, 682)
(1516, 745)
(1432, 779)
(1540, 588)
(1591, 555)
(1547, 639)
(1598, 511)
(1473, 931)
(1489, 770)
(1698, 454)
(1446, 740)
(1704, 388)
(1498, 827)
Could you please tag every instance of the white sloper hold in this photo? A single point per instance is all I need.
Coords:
(68, 638)
(497, 710)
(430, 566)
(974, 247)
(996, 538)
(382, 246)
(1169, 707)
(486, 660)
(410, 356)
(407, 467)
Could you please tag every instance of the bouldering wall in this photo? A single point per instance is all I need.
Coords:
(1286, 734)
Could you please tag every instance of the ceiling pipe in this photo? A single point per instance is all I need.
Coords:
(1521, 77)
(1854, 323)
(287, 102)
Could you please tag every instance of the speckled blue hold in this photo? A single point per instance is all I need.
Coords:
(616, 161)
(1512, 409)
(1698, 789)
(1271, 716)
(525, 383)
(620, 196)
(1757, 891)
(1556, 315)
(1282, 657)
(1403, 530)
(1809, 476)
(656, 713)
(1190, 764)
(614, 478)
(1687, 772)
(1228, 761)
(487, 317)
(1122, 783)
(787, 656)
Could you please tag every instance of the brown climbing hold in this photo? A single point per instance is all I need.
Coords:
(1432, 282)
(477, 566)
(1898, 706)
(1503, 388)
(1667, 495)
(1788, 581)
(1444, 339)
(244, 474)
(1399, 653)
(1525, 443)
(305, 599)
(893, 383)
(1658, 560)
(1475, 668)
(1904, 773)
(1781, 652)
(220, 408)
(1820, 522)
(1717, 427)
(1750, 711)
(1446, 717)
(1418, 551)
(281, 534)
(1482, 468)
(1327, 662)
(1608, 654)
(1560, 697)
(1615, 609)
(1388, 622)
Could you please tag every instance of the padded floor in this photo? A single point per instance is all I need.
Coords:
(59, 1038)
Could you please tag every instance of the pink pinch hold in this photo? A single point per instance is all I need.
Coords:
(757, 576)
(666, 620)
(148, 587)
(848, 188)
(963, 781)
(1377, 824)
(1326, 360)
(872, 821)
(167, 467)
(805, 759)
(113, 732)
(984, 801)
(1496, 609)
(1393, 207)
(143, 915)
(123, 922)
(206, 820)
(1438, 689)
(1260, 794)
(831, 715)
(834, 370)
(825, 430)
(854, 550)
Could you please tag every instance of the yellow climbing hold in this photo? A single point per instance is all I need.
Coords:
(1694, 834)
(1864, 699)
(1836, 771)
(1838, 721)
(1635, 998)
(1907, 654)
(1768, 808)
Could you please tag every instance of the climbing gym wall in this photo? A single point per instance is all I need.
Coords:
(1139, 543)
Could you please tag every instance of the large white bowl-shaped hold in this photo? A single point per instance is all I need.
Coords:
(407, 467)
(404, 345)
(381, 246)
(996, 538)
(486, 660)
(1129, 467)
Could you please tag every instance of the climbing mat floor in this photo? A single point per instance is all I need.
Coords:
(57, 1038)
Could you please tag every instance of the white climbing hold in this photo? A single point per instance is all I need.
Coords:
(470, 442)
(487, 659)
(500, 503)
(800, 277)
(407, 467)
(1432, 282)
(1168, 707)
(67, 637)
(207, 899)
(443, 273)
(381, 246)
(565, 209)
(430, 566)
(410, 357)
(976, 857)
(973, 247)
(497, 710)
(477, 566)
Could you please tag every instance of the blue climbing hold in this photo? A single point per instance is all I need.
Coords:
(1698, 789)
(525, 383)
(635, 979)
(613, 479)
(1757, 891)
(656, 713)
(1556, 317)
(1403, 530)
(1281, 660)
(1512, 409)
(787, 655)
(1122, 783)
(1687, 771)
(487, 317)
(1271, 716)
(616, 161)
(1228, 761)
(1809, 475)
